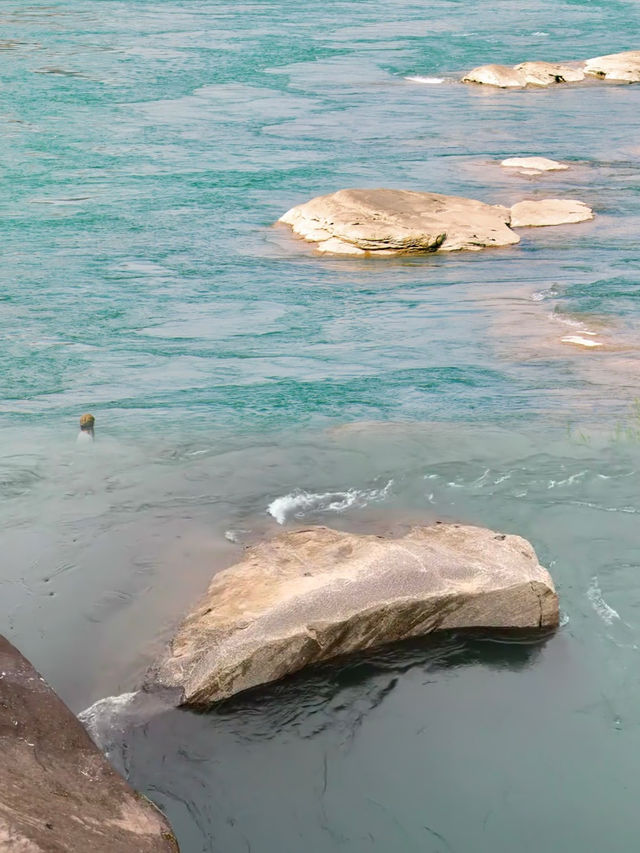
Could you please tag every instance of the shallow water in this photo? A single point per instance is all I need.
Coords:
(147, 149)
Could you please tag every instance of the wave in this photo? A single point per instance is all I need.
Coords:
(604, 611)
(108, 719)
(429, 81)
(581, 341)
(300, 503)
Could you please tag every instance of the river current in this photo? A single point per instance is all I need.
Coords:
(242, 385)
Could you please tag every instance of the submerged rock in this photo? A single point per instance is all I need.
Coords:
(313, 594)
(57, 791)
(549, 211)
(621, 67)
(624, 67)
(531, 165)
(388, 222)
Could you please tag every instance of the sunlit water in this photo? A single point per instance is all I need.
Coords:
(242, 385)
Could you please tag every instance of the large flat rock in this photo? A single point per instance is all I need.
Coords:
(392, 222)
(58, 793)
(618, 67)
(387, 221)
(313, 594)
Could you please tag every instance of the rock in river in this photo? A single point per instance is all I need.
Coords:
(619, 67)
(392, 222)
(316, 593)
(389, 222)
(549, 211)
(533, 165)
(500, 76)
(623, 67)
(58, 793)
(525, 74)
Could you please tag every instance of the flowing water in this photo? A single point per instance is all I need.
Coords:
(242, 385)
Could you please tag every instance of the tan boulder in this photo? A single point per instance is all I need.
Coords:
(550, 73)
(624, 67)
(501, 76)
(317, 593)
(549, 211)
(530, 165)
(388, 222)
(57, 790)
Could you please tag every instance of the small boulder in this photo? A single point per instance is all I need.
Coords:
(533, 164)
(501, 76)
(549, 211)
(57, 790)
(317, 593)
(623, 67)
(391, 222)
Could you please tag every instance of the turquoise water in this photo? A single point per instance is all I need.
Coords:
(146, 150)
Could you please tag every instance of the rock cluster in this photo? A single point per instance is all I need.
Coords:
(618, 67)
(314, 594)
(391, 222)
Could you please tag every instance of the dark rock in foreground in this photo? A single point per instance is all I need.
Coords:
(58, 793)
(314, 594)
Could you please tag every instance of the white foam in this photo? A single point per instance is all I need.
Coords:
(108, 720)
(104, 720)
(604, 611)
(299, 503)
(236, 535)
(104, 709)
(569, 321)
(428, 81)
(579, 340)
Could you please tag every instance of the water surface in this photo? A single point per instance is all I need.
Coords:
(147, 148)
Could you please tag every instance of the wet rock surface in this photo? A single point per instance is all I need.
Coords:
(58, 793)
(311, 595)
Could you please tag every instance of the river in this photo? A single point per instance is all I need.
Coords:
(242, 384)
